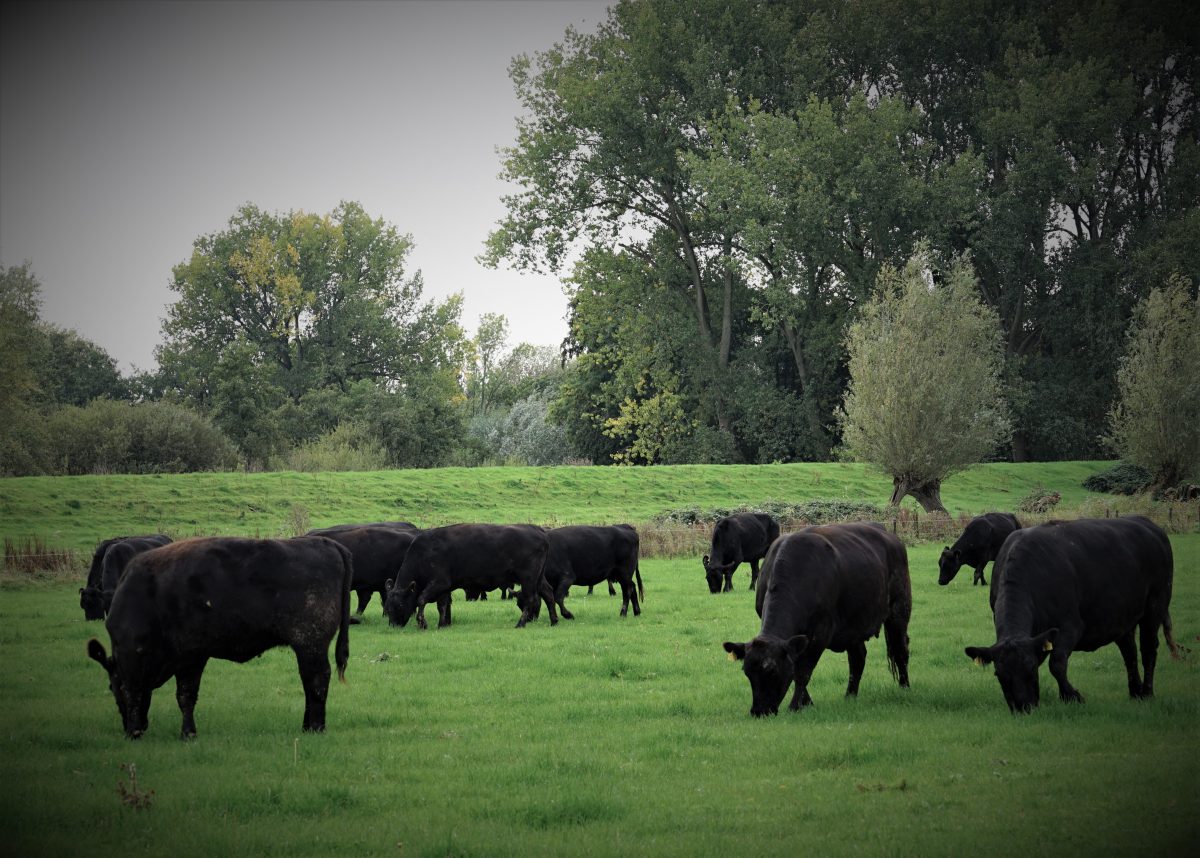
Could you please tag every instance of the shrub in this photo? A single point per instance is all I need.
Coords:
(1039, 500)
(1122, 479)
(817, 511)
(349, 447)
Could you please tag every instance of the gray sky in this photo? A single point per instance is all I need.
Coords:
(127, 130)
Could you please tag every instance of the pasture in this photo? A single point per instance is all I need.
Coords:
(599, 736)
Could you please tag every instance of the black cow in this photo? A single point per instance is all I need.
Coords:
(108, 562)
(977, 547)
(744, 537)
(586, 555)
(472, 557)
(1078, 585)
(827, 587)
(180, 605)
(378, 552)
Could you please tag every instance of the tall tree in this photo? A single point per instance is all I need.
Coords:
(20, 304)
(925, 398)
(277, 307)
(599, 156)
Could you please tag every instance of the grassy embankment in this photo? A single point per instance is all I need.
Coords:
(603, 736)
(76, 512)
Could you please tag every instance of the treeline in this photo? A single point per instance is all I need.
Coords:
(724, 181)
(724, 185)
(296, 342)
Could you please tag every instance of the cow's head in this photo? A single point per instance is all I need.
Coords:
(770, 665)
(132, 702)
(714, 573)
(948, 565)
(91, 599)
(401, 601)
(1016, 661)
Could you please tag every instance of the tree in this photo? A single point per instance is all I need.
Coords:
(600, 158)
(489, 341)
(1156, 420)
(926, 397)
(73, 371)
(280, 316)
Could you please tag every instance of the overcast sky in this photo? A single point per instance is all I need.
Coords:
(127, 130)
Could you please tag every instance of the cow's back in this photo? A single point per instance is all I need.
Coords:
(854, 572)
(475, 554)
(234, 598)
(1104, 570)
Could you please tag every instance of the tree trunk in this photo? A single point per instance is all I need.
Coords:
(1020, 447)
(928, 493)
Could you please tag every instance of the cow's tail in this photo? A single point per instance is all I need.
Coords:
(637, 573)
(1177, 651)
(341, 652)
(895, 627)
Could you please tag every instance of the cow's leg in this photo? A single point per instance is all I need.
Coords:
(187, 690)
(383, 600)
(429, 594)
(856, 655)
(443, 606)
(728, 574)
(1058, 669)
(979, 579)
(560, 593)
(629, 596)
(1129, 653)
(1149, 638)
(753, 573)
(364, 596)
(546, 592)
(805, 666)
(611, 591)
(895, 635)
(314, 674)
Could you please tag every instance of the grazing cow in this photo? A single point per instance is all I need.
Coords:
(218, 597)
(744, 537)
(979, 545)
(472, 557)
(378, 552)
(108, 562)
(586, 556)
(827, 587)
(1078, 585)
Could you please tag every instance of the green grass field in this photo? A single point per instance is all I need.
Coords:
(600, 736)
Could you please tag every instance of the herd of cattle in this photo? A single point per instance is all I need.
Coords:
(1056, 588)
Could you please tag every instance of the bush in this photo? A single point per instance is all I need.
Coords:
(817, 511)
(349, 447)
(1122, 479)
(107, 437)
(1039, 500)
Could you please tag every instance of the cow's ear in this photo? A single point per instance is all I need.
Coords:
(981, 655)
(737, 651)
(704, 560)
(797, 645)
(387, 585)
(1044, 643)
(95, 649)
(412, 587)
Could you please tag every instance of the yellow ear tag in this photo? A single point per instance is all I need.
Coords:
(732, 657)
(1047, 646)
(979, 660)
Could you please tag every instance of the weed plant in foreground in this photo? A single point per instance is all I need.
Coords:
(601, 736)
